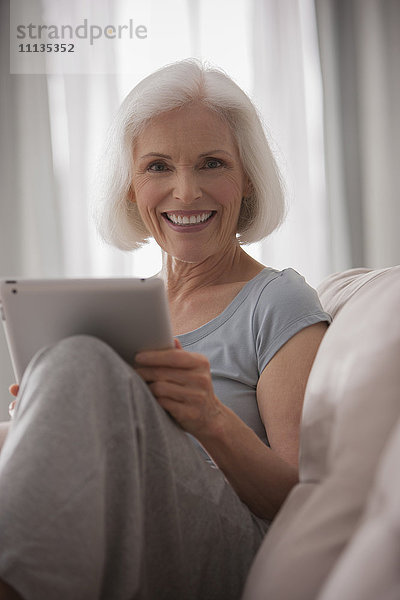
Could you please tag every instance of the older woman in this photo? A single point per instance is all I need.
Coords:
(103, 493)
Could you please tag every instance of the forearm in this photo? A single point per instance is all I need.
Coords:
(181, 382)
(259, 476)
(4, 427)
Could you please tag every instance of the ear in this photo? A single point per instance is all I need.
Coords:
(131, 194)
(248, 188)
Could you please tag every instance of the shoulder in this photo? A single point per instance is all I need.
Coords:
(282, 290)
(284, 305)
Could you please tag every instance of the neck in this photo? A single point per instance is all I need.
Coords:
(183, 278)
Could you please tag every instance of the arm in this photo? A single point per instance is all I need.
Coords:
(261, 476)
(264, 476)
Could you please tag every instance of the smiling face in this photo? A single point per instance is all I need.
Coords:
(188, 183)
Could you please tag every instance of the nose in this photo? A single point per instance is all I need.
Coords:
(186, 186)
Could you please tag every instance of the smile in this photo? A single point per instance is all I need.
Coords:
(188, 221)
(179, 218)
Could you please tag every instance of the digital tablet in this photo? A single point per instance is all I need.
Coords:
(128, 314)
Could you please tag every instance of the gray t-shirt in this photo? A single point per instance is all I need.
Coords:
(270, 309)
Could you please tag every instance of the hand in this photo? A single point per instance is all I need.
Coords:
(13, 389)
(181, 383)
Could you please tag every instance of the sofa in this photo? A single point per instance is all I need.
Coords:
(337, 536)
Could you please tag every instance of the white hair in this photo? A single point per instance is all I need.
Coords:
(117, 217)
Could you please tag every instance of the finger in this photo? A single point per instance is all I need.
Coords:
(171, 358)
(14, 389)
(178, 393)
(177, 343)
(198, 381)
(149, 374)
(164, 389)
(11, 408)
(190, 417)
(177, 411)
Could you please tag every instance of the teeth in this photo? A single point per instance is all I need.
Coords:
(192, 220)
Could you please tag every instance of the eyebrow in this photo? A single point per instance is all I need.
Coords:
(155, 154)
(217, 151)
(167, 156)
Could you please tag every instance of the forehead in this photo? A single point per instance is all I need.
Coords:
(192, 125)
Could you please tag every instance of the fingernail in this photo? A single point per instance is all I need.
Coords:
(11, 408)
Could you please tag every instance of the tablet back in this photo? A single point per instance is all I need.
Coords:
(128, 314)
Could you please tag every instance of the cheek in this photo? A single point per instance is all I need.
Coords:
(146, 195)
(230, 193)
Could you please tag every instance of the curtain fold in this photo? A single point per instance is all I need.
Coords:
(30, 227)
(359, 44)
(287, 89)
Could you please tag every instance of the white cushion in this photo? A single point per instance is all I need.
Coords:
(351, 405)
(369, 568)
(337, 289)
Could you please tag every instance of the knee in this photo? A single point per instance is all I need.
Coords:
(88, 353)
(82, 344)
(78, 358)
(78, 371)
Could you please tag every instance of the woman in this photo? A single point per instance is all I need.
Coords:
(131, 506)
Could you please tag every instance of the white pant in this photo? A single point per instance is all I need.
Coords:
(103, 496)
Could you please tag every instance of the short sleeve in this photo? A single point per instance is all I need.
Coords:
(286, 305)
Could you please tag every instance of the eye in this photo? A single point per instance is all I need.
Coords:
(212, 163)
(157, 167)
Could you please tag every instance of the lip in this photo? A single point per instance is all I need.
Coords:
(187, 213)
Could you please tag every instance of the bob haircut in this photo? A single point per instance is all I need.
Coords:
(173, 86)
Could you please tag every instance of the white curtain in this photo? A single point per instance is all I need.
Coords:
(360, 54)
(287, 88)
(30, 228)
